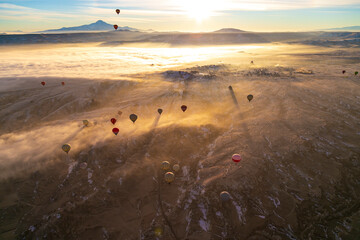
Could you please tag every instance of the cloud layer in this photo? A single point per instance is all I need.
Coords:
(165, 14)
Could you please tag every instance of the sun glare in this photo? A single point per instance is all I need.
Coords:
(197, 9)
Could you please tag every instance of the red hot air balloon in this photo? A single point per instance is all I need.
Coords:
(115, 131)
(118, 11)
(236, 158)
(113, 120)
(43, 83)
(63, 83)
(344, 71)
(183, 108)
(116, 27)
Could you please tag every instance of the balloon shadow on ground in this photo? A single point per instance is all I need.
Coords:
(244, 125)
(155, 123)
(74, 134)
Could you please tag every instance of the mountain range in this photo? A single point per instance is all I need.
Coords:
(229, 30)
(97, 26)
(103, 26)
(352, 28)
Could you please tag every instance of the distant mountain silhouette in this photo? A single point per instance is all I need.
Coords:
(229, 30)
(97, 26)
(352, 28)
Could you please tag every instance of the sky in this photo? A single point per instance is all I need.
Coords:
(181, 15)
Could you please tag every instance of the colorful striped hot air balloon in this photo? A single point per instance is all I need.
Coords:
(66, 148)
(169, 177)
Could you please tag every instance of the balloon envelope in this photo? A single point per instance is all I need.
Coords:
(224, 196)
(176, 167)
(165, 165)
(169, 177)
(66, 148)
(63, 83)
(160, 111)
(119, 112)
(158, 231)
(250, 97)
(183, 108)
(133, 118)
(113, 120)
(117, 11)
(116, 27)
(86, 122)
(343, 71)
(356, 73)
(43, 83)
(236, 158)
(83, 165)
(115, 131)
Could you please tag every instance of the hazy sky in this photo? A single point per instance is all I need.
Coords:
(181, 15)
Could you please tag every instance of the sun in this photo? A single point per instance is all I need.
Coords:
(197, 9)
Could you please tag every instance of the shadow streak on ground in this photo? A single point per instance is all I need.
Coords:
(244, 125)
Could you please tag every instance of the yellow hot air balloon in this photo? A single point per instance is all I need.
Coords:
(165, 165)
(66, 148)
(158, 231)
(169, 177)
(86, 123)
(176, 167)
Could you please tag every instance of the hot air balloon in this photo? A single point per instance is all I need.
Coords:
(43, 83)
(356, 73)
(183, 108)
(119, 112)
(133, 117)
(116, 27)
(236, 158)
(115, 131)
(224, 196)
(343, 71)
(63, 83)
(252, 62)
(250, 97)
(113, 120)
(160, 111)
(86, 123)
(158, 231)
(176, 167)
(169, 177)
(165, 165)
(83, 165)
(117, 11)
(66, 148)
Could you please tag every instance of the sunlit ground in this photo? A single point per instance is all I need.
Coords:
(298, 138)
(91, 61)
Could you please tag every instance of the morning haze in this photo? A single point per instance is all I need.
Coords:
(179, 120)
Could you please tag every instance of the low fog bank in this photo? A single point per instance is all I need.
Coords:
(91, 61)
(117, 38)
(298, 138)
